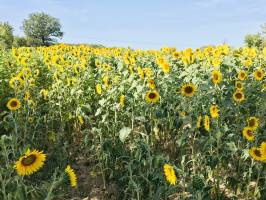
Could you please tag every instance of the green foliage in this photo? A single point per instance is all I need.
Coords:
(254, 40)
(6, 35)
(42, 27)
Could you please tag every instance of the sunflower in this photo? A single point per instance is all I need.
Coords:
(72, 176)
(248, 133)
(16, 82)
(256, 154)
(263, 150)
(188, 90)
(253, 123)
(199, 121)
(216, 62)
(239, 85)
(152, 96)
(152, 84)
(169, 173)
(248, 62)
(13, 104)
(214, 111)
(238, 96)
(207, 123)
(26, 96)
(122, 100)
(258, 74)
(216, 76)
(165, 67)
(31, 162)
(99, 88)
(242, 75)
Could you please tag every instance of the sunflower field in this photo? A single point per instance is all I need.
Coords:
(146, 124)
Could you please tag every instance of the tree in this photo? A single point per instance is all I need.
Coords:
(43, 27)
(254, 40)
(6, 35)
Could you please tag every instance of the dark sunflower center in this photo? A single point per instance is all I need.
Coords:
(249, 133)
(29, 160)
(257, 153)
(239, 85)
(238, 95)
(251, 122)
(188, 89)
(152, 95)
(259, 74)
(216, 77)
(14, 103)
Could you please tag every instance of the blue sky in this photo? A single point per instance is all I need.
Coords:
(145, 24)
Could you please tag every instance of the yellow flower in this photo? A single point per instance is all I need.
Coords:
(31, 162)
(239, 85)
(248, 62)
(30, 120)
(207, 123)
(169, 173)
(263, 149)
(248, 133)
(238, 96)
(258, 74)
(71, 81)
(214, 111)
(44, 93)
(27, 96)
(99, 88)
(199, 121)
(106, 81)
(216, 76)
(152, 84)
(152, 96)
(140, 72)
(242, 75)
(264, 51)
(253, 123)
(256, 154)
(71, 175)
(81, 120)
(216, 62)
(165, 67)
(13, 104)
(122, 100)
(16, 82)
(188, 90)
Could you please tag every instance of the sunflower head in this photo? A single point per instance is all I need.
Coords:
(13, 104)
(31, 162)
(238, 96)
(207, 123)
(214, 111)
(169, 173)
(216, 76)
(72, 176)
(263, 150)
(239, 85)
(152, 96)
(248, 133)
(258, 74)
(256, 154)
(253, 123)
(188, 90)
(242, 75)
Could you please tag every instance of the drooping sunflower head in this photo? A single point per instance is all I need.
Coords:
(71, 175)
(216, 76)
(122, 100)
(207, 123)
(258, 74)
(13, 104)
(239, 85)
(242, 75)
(169, 173)
(263, 150)
(31, 162)
(256, 154)
(238, 96)
(253, 123)
(152, 96)
(248, 133)
(188, 90)
(99, 88)
(214, 111)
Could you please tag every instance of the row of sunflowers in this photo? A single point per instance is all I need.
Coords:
(160, 124)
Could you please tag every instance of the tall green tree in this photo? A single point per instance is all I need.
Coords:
(6, 35)
(43, 27)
